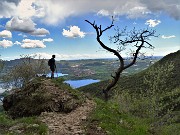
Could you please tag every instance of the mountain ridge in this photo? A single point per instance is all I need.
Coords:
(127, 82)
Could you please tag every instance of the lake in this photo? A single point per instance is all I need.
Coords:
(56, 74)
(80, 83)
(2, 90)
(72, 83)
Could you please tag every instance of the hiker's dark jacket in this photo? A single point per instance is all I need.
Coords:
(52, 64)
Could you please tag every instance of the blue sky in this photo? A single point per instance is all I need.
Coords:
(57, 26)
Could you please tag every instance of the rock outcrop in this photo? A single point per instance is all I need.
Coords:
(41, 95)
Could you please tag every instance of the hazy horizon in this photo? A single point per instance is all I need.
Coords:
(81, 58)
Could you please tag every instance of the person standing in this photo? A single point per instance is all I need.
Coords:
(52, 65)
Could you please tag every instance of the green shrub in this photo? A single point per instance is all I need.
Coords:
(157, 104)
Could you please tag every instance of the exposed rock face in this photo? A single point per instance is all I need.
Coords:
(40, 96)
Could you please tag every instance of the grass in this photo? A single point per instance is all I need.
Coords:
(114, 122)
(110, 117)
(173, 129)
(59, 82)
(23, 126)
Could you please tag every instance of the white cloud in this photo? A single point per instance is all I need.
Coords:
(137, 12)
(103, 12)
(25, 9)
(73, 32)
(8, 8)
(74, 56)
(6, 43)
(19, 24)
(152, 23)
(25, 25)
(43, 55)
(40, 32)
(171, 7)
(47, 40)
(21, 8)
(168, 37)
(5, 34)
(30, 8)
(40, 13)
(56, 11)
(28, 43)
(17, 43)
(23, 35)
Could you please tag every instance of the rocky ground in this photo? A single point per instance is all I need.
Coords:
(64, 110)
(68, 124)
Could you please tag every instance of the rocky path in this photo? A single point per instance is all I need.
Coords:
(68, 124)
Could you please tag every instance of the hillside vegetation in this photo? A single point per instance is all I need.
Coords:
(143, 103)
(135, 83)
(146, 103)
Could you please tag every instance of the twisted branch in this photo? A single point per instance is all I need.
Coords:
(133, 37)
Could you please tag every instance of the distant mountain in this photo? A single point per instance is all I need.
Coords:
(135, 82)
(14, 62)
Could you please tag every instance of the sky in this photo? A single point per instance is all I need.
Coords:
(47, 27)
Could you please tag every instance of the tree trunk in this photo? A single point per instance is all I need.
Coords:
(112, 83)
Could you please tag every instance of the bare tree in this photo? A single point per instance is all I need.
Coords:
(137, 39)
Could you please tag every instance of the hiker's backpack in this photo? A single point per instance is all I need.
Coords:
(49, 62)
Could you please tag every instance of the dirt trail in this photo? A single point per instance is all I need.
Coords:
(68, 124)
